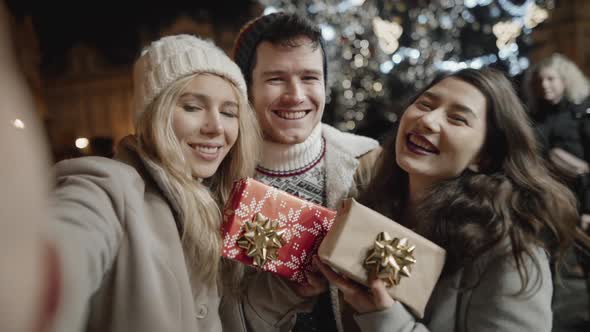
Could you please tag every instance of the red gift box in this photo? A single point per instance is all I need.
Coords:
(300, 224)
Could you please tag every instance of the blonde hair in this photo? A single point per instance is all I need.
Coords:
(577, 87)
(198, 203)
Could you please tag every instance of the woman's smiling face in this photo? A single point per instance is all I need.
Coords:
(206, 122)
(442, 132)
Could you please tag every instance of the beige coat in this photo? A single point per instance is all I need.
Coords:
(349, 159)
(123, 263)
(491, 302)
(490, 306)
(350, 163)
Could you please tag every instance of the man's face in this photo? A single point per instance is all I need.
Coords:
(288, 90)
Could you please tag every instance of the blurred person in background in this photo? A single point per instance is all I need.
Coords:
(557, 93)
(29, 269)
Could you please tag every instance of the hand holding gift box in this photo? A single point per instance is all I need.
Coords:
(363, 241)
(272, 230)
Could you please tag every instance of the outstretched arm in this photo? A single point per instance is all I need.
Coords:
(88, 210)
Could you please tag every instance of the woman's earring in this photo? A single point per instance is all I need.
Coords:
(474, 168)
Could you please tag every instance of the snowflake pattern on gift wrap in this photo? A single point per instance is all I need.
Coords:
(232, 253)
(295, 264)
(242, 211)
(289, 221)
(272, 265)
(288, 234)
(327, 223)
(297, 276)
(294, 216)
(230, 242)
(297, 229)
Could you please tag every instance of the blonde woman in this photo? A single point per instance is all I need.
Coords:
(553, 80)
(138, 236)
(558, 93)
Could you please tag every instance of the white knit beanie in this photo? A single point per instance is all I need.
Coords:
(174, 57)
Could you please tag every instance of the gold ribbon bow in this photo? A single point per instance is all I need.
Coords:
(261, 239)
(390, 259)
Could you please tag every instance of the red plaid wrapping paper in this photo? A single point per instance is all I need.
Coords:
(305, 224)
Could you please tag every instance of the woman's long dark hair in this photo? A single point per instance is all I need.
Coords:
(513, 202)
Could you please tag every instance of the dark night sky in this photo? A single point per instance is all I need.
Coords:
(113, 26)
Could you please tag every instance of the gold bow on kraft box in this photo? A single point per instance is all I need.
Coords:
(390, 259)
(362, 241)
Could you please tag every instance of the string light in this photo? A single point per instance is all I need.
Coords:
(328, 32)
(82, 143)
(515, 10)
(388, 34)
(18, 123)
(269, 10)
(506, 33)
(534, 16)
(380, 51)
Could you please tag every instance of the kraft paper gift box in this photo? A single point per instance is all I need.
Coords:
(352, 240)
(280, 231)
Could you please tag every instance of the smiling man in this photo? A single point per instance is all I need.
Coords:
(283, 59)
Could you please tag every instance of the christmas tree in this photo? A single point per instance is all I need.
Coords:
(381, 51)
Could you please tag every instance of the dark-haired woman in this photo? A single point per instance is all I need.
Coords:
(463, 171)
